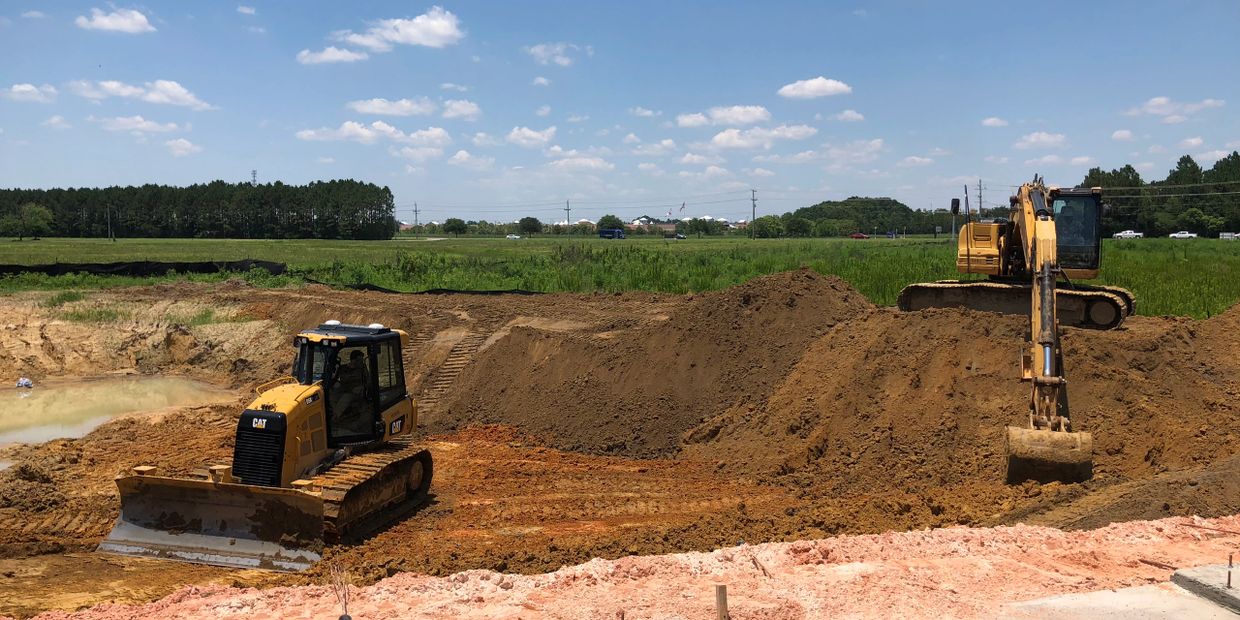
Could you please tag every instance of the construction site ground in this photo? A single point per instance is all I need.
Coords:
(572, 427)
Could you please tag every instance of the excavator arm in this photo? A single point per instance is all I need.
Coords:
(1047, 449)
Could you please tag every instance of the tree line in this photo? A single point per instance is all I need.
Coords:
(339, 209)
(1191, 198)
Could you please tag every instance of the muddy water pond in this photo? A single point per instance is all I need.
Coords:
(71, 409)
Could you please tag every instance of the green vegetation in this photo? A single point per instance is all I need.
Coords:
(94, 315)
(206, 316)
(63, 297)
(321, 210)
(1190, 198)
(1199, 277)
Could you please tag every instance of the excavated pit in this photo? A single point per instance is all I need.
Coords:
(567, 427)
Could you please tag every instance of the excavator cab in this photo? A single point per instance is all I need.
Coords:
(1078, 228)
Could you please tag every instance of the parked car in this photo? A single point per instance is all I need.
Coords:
(859, 235)
(1128, 234)
(512, 236)
(611, 233)
(1183, 234)
(1229, 236)
(681, 236)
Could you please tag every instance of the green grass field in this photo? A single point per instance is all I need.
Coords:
(1197, 278)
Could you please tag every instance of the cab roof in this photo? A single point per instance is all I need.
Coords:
(349, 333)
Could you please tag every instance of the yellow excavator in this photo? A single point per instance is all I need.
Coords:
(1052, 234)
(321, 456)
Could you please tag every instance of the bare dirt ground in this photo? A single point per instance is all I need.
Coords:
(569, 427)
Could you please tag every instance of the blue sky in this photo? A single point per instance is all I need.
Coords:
(495, 110)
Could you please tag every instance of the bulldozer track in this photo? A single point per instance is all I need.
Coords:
(354, 472)
(458, 358)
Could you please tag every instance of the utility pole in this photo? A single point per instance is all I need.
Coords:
(753, 200)
(980, 204)
(415, 214)
(568, 214)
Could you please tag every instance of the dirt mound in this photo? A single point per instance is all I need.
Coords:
(916, 403)
(637, 391)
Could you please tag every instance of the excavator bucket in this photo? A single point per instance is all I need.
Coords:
(218, 523)
(1047, 456)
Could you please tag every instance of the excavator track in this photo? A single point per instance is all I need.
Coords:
(1083, 306)
(372, 489)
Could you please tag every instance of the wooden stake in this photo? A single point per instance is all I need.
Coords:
(721, 602)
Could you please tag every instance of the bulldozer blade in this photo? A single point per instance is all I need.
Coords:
(1047, 456)
(218, 523)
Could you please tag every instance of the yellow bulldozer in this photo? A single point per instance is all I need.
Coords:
(1052, 234)
(322, 456)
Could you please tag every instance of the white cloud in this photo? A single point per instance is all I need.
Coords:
(939, 152)
(631, 139)
(758, 172)
(531, 139)
(256, 29)
(556, 53)
(643, 112)
(1082, 160)
(1172, 111)
(697, 159)
(134, 124)
(710, 172)
(994, 121)
(814, 88)
(120, 20)
(400, 107)
(1191, 143)
(541, 81)
(656, 149)
(581, 162)
(843, 156)
(246, 10)
(1046, 160)
(435, 28)
(1156, 148)
(463, 159)
(330, 54)
(29, 92)
(418, 154)
(760, 136)
(914, 160)
(803, 157)
(738, 115)
(650, 168)
(485, 139)
(1234, 144)
(451, 86)
(462, 109)
(181, 147)
(1212, 155)
(578, 118)
(1145, 165)
(325, 160)
(849, 116)
(354, 131)
(995, 159)
(1122, 135)
(56, 122)
(1041, 140)
(34, 14)
(543, 110)
(692, 120)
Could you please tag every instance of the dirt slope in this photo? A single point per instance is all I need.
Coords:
(636, 392)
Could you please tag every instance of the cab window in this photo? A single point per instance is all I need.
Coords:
(1076, 230)
(391, 373)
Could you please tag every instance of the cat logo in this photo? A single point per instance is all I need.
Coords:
(397, 425)
(259, 423)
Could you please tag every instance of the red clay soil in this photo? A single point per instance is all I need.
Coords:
(946, 573)
(636, 392)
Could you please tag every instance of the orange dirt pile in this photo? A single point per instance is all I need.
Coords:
(636, 392)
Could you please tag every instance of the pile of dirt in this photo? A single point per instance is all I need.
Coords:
(637, 391)
(916, 404)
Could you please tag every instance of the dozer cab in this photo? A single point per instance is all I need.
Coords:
(321, 456)
(1051, 235)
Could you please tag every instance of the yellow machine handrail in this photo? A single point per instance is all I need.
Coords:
(274, 382)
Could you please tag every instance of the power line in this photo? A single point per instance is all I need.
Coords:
(1162, 185)
(1175, 195)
